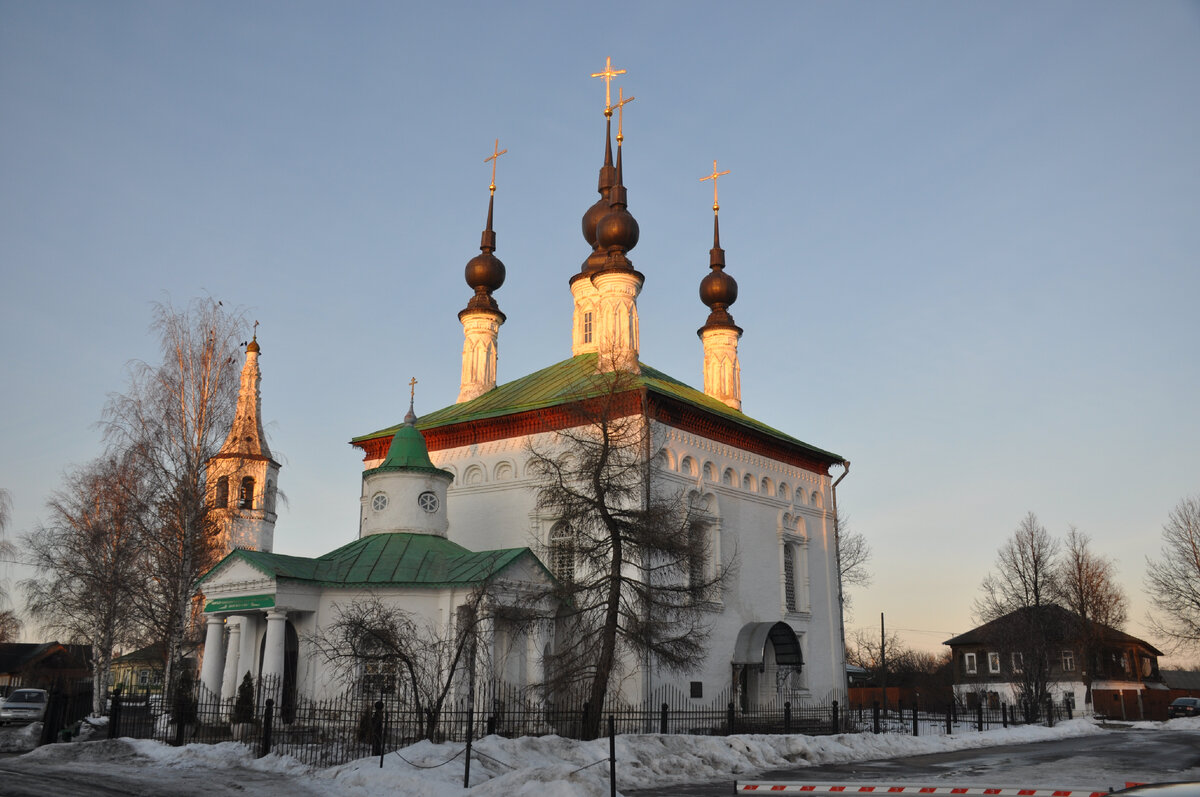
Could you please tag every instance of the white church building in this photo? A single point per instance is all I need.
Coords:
(448, 501)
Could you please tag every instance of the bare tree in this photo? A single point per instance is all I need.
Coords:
(10, 624)
(382, 648)
(1017, 593)
(632, 560)
(173, 418)
(854, 554)
(88, 562)
(1173, 580)
(1086, 585)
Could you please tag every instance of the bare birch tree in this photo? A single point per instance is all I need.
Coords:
(88, 562)
(1173, 579)
(854, 554)
(632, 561)
(1019, 589)
(173, 417)
(1086, 585)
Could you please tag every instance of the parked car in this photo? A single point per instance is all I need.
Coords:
(1184, 707)
(24, 705)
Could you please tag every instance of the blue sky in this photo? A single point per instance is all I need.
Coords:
(965, 236)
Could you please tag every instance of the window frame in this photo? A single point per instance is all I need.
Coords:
(970, 664)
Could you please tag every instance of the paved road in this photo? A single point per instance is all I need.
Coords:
(1145, 755)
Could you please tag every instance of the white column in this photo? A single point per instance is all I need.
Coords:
(481, 330)
(584, 333)
(233, 649)
(722, 370)
(273, 651)
(214, 660)
(248, 654)
(618, 319)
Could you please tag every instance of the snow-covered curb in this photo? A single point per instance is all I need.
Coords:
(562, 767)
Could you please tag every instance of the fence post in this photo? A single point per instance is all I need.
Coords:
(787, 716)
(612, 757)
(915, 708)
(979, 717)
(875, 716)
(377, 731)
(900, 710)
(949, 718)
(114, 714)
(587, 710)
(1050, 712)
(268, 720)
(835, 716)
(662, 719)
(954, 710)
(491, 724)
(1004, 714)
(729, 716)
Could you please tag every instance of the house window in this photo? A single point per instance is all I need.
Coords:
(1068, 661)
(993, 662)
(222, 498)
(562, 552)
(1018, 662)
(143, 677)
(969, 663)
(587, 327)
(246, 493)
(1069, 700)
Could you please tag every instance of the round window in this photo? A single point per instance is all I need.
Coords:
(428, 501)
(379, 502)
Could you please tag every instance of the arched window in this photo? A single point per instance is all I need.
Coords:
(789, 576)
(246, 493)
(270, 496)
(562, 552)
(222, 498)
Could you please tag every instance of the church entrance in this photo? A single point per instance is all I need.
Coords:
(767, 664)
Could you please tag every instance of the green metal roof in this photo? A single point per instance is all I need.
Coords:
(408, 452)
(400, 559)
(578, 378)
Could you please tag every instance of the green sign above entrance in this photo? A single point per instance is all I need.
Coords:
(238, 604)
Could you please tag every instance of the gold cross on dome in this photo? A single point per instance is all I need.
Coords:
(620, 106)
(715, 174)
(412, 389)
(608, 74)
(495, 156)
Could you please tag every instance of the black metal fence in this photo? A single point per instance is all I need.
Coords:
(357, 725)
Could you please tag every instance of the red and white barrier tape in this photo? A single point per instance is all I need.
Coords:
(853, 788)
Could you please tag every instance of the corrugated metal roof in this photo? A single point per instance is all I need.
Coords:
(576, 379)
(393, 560)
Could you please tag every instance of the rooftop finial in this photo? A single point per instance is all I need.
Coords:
(253, 344)
(485, 273)
(607, 75)
(494, 158)
(620, 106)
(716, 204)
(410, 419)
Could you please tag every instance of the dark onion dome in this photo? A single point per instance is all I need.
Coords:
(718, 290)
(484, 272)
(601, 207)
(618, 231)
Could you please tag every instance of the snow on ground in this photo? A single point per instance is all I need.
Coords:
(554, 765)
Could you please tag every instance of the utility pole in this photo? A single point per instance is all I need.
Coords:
(883, 662)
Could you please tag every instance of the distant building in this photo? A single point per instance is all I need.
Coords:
(42, 664)
(1121, 670)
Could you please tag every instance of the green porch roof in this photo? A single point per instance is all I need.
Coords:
(575, 379)
(399, 559)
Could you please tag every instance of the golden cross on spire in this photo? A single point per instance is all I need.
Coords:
(412, 390)
(256, 330)
(608, 74)
(620, 106)
(715, 174)
(495, 156)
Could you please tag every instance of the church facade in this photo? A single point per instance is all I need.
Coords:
(449, 501)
